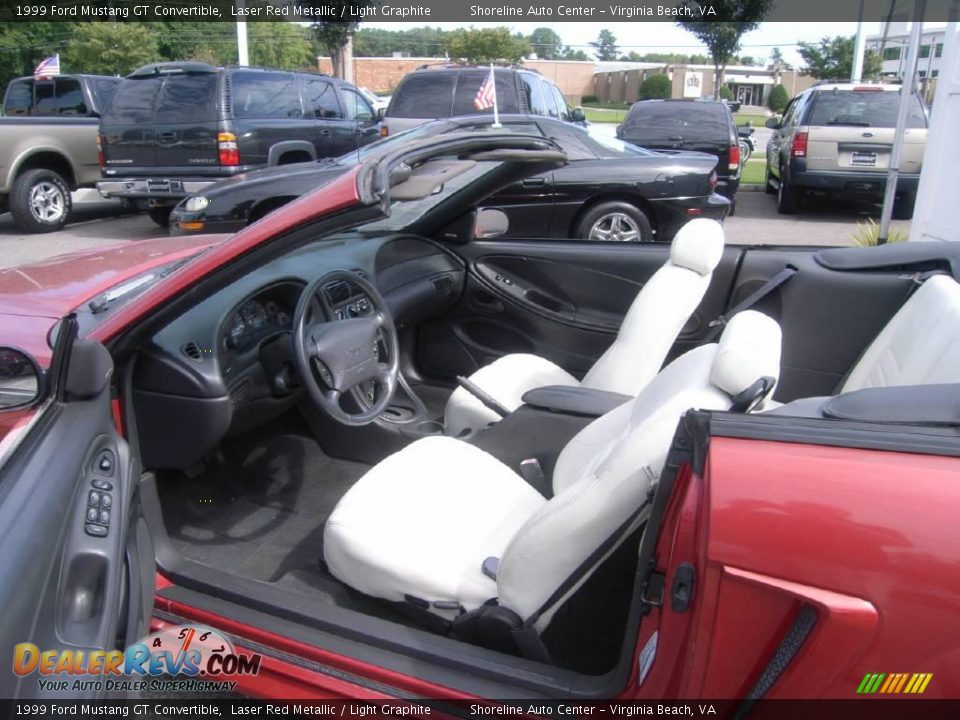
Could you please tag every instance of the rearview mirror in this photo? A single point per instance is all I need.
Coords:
(20, 379)
(773, 123)
(490, 223)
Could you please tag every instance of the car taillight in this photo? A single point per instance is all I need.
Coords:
(100, 160)
(227, 147)
(734, 158)
(799, 146)
(384, 131)
(713, 181)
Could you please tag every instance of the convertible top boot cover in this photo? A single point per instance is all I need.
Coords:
(648, 331)
(419, 526)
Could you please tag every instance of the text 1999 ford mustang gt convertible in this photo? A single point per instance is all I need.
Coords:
(397, 453)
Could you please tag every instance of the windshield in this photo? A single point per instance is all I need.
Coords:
(404, 213)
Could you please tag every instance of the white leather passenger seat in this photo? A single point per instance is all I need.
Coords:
(418, 526)
(649, 329)
(919, 346)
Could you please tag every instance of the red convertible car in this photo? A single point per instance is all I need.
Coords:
(395, 453)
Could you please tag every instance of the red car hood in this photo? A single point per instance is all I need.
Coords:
(54, 287)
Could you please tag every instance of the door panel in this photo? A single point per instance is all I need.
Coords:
(561, 300)
(528, 205)
(76, 552)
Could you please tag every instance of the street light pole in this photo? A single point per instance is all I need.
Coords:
(907, 89)
(243, 57)
(859, 46)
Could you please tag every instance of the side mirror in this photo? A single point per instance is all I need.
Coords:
(577, 115)
(618, 129)
(21, 379)
(381, 113)
(772, 123)
(490, 223)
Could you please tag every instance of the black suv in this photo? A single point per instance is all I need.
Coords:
(174, 128)
(435, 92)
(703, 125)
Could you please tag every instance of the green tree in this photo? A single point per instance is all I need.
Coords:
(656, 87)
(570, 54)
(107, 48)
(331, 37)
(280, 44)
(605, 46)
(723, 25)
(486, 45)
(778, 99)
(777, 62)
(725, 93)
(418, 42)
(546, 43)
(23, 45)
(833, 58)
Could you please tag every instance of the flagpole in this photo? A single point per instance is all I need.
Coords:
(496, 110)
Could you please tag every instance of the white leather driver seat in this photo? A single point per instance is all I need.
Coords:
(647, 333)
(418, 527)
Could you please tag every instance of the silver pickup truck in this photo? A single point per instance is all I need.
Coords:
(48, 145)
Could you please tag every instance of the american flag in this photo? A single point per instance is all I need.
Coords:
(48, 66)
(487, 94)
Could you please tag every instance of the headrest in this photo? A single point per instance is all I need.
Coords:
(749, 350)
(698, 246)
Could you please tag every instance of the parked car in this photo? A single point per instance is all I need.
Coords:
(701, 125)
(49, 145)
(608, 191)
(836, 139)
(441, 91)
(198, 392)
(175, 128)
(377, 102)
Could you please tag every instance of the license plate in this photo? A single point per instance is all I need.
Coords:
(868, 159)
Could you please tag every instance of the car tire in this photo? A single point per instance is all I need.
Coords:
(903, 207)
(788, 198)
(614, 221)
(160, 215)
(40, 201)
(768, 187)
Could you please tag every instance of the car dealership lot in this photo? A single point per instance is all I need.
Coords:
(96, 222)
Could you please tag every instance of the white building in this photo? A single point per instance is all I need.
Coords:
(893, 50)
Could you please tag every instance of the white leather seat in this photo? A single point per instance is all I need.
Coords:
(647, 333)
(419, 525)
(919, 346)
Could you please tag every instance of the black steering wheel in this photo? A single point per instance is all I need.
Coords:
(338, 356)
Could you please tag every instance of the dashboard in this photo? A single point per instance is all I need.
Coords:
(226, 365)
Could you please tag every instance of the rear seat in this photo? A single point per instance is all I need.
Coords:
(919, 346)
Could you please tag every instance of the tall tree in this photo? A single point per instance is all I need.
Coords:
(546, 43)
(832, 58)
(777, 62)
(23, 45)
(570, 54)
(281, 45)
(486, 45)
(107, 48)
(720, 25)
(332, 37)
(605, 46)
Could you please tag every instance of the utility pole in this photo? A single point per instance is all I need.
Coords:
(859, 46)
(907, 90)
(243, 57)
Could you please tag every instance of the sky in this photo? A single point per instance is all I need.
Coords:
(667, 37)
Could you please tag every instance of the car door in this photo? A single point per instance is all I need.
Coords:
(77, 562)
(561, 300)
(361, 115)
(330, 131)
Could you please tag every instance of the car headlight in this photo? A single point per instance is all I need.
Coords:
(196, 203)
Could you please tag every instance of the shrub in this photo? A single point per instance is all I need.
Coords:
(656, 87)
(587, 99)
(867, 234)
(726, 93)
(778, 99)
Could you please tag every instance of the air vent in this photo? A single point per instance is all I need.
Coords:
(337, 292)
(192, 351)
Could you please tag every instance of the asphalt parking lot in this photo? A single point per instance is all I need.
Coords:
(97, 223)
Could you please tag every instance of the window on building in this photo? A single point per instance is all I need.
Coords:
(934, 73)
(939, 52)
(922, 73)
(924, 51)
(891, 53)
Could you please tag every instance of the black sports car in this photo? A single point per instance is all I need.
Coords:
(609, 191)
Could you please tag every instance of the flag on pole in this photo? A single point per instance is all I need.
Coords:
(48, 66)
(487, 97)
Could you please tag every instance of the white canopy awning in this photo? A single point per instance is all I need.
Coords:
(748, 78)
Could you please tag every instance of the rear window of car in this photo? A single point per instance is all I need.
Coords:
(860, 108)
(134, 101)
(439, 94)
(19, 98)
(188, 98)
(661, 120)
(104, 89)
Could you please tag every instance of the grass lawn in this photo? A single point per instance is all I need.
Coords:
(598, 115)
(754, 120)
(753, 172)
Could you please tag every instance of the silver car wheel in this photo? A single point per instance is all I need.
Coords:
(615, 227)
(47, 202)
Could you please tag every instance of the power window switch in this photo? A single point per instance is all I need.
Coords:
(95, 530)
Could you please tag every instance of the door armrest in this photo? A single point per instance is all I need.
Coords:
(574, 400)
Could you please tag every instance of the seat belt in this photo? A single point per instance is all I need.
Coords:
(717, 326)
